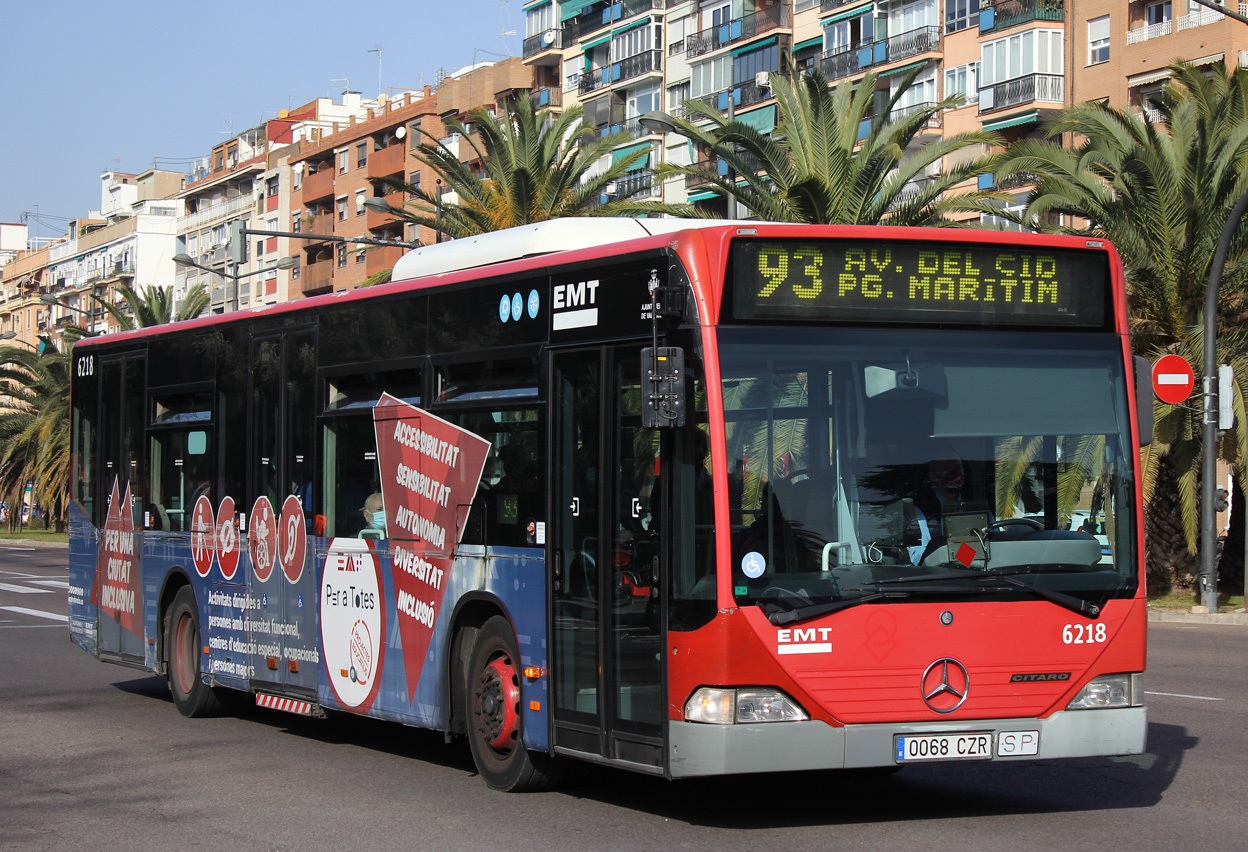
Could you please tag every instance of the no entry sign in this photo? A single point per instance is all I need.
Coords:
(1173, 379)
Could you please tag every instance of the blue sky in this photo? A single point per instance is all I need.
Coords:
(95, 87)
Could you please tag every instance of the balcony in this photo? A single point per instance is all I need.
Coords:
(1003, 14)
(711, 169)
(550, 40)
(549, 97)
(387, 162)
(316, 278)
(603, 14)
(321, 223)
(1021, 90)
(912, 43)
(636, 185)
(737, 30)
(933, 123)
(381, 258)
(225, 209)
(374, 220)
(1200, 18)
(625, 69)
(318, 185)
(846, 62)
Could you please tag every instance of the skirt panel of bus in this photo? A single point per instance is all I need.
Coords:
(410, 676)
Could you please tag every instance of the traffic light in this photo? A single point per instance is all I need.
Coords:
(1219, 500)
(237, 251)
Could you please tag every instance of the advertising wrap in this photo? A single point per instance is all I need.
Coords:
(430, 471)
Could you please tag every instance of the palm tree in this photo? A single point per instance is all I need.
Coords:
(154, 306)
(34, 426)
(535, 165)
(835, 159)
(1162, 194)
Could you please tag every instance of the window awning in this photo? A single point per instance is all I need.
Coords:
(767, 42)
(904, 68)
(817, 41)
(763, 120)
(1013, 120)
(571, 8)
(634, 25)
(1150, 77)
(624, 153)
(702, 196)
(851, 13)
(533, 4)
(594, 42)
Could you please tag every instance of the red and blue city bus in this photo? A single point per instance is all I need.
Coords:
(683, 498)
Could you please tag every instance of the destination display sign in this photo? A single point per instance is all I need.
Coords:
(918, 282)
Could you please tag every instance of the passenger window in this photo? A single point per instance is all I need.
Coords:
(181, 472)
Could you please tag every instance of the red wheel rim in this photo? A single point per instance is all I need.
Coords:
(498, 704)
(183, 664)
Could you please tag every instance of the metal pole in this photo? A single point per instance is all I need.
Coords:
(1209, 419)
(731, 210)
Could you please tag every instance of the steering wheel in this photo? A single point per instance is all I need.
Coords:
(780, 593)
(1006, 522)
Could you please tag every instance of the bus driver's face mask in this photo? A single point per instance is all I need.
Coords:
(377, 520)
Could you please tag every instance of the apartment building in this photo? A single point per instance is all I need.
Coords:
(129, 240)
(1015, 62)
(335, 172)
(13, 239)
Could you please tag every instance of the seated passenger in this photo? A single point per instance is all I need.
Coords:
(374, 517)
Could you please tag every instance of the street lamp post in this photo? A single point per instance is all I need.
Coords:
(658, 121)
(12, 335)
(187, 260)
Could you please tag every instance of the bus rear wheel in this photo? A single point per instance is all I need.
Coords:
(192, 697)
(494, 717)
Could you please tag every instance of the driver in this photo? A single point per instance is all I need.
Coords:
(943, 481)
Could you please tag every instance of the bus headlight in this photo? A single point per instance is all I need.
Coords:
(1106, 691)
(744, 705)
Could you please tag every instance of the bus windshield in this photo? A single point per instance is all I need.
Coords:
(926, 465)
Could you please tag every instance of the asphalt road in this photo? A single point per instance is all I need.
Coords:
(94, 757)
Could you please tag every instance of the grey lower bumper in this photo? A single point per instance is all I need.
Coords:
(698, 749)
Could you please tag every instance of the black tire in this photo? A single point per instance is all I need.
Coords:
(193, 698)
(493, 715)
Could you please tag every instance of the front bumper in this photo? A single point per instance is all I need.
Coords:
(698, 749)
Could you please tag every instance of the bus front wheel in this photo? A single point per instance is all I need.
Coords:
(493, 715)
(192, 697)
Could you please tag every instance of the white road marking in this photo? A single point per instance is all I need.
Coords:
(56, 584)
(1182, 695)
(23, 590)
(38, 613)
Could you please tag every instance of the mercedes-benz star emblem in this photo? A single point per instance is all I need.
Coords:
(945, 685)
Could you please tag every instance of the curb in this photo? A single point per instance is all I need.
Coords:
(1239, 617)
(33, 542)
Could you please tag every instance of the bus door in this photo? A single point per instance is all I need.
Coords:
(282, 628)
(118, 582)
(607, 551)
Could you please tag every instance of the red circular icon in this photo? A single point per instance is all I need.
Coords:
(262, 538)
(292, 539)
(1173, 379)
(203, 537)
(227, 539)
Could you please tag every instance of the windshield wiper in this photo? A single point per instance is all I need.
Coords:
(778, 616)
(1008, 575)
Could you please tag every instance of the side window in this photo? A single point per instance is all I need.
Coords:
(85, 416)
(351, 480)
(509, 507)
(181, 472)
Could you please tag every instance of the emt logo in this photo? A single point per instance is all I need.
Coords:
(804, 640)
